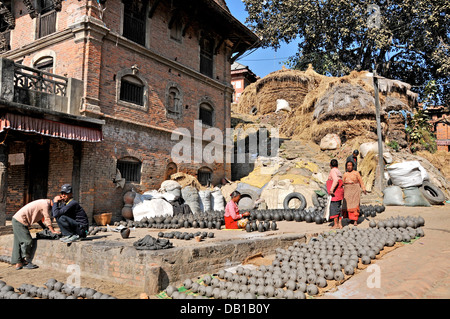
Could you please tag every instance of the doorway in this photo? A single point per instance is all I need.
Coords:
(37, 160)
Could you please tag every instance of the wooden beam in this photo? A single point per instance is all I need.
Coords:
(7, 16)
(153, 8)
(30, 8)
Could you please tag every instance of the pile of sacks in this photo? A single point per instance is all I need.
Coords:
(172, 199)
(410, 186)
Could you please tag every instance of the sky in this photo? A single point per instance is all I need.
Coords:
(261, 61)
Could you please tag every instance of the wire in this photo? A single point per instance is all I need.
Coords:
(436, 84)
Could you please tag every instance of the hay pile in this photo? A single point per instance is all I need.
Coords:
(321, 104)
(186, 180)
(368, 169)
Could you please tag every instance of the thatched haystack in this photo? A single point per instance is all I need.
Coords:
(321, 104)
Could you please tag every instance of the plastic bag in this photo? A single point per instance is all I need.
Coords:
(191, 197)
(393, 196)
(326, 213)
(414, 197)
(218, 201)
(407, 174)
(169, 185)
(283, 105)
(205, 200)
(152, 208)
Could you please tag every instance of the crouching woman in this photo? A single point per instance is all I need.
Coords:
(233, 219)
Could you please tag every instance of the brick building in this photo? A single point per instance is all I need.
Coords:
(241, 77)
(440, 119)
(90, 87)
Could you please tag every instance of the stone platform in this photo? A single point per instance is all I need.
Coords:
(109, 257)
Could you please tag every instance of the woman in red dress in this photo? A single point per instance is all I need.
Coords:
(233, 219)
(336, 191)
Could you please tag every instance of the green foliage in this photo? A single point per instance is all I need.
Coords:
(394, 145)
(419, 132)
(402, 39)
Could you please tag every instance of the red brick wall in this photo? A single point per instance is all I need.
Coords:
(60, 166)
(97, 62)
(16, 181)
(97, 191)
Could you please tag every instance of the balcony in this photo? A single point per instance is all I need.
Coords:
(35, 101)
(39, 89)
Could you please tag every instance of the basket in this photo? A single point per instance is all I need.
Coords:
(103, 219)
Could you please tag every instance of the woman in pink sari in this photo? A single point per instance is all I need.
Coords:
(353, 184)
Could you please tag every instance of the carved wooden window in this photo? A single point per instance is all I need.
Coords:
(206, 56)
(7, 23)
(134, 20)
(176, 29)
(46, 21)
(132, 90)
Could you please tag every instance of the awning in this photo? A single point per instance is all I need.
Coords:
(50, 128)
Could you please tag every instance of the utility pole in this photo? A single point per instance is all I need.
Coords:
(379, 133)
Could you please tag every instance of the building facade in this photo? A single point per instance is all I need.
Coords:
(90, 88)
(241, 77)
(440, 120)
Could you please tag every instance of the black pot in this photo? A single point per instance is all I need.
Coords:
(273, 226)
(308, 218)
(125, 233)
(318, 219)
(259, 216)
(260, 227)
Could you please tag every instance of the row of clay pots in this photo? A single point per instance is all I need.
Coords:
(53, 290)
(302, 268)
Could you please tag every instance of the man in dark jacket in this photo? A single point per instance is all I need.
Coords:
(70, 216)
(354, 159)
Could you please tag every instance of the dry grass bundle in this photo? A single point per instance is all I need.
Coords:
(368, 169)
(321, 104)
(247, 100)
(440, 160)
(186, 180)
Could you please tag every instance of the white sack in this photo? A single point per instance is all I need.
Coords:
(152, 208)
(407, 174)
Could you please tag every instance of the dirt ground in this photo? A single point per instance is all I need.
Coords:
(39, 276)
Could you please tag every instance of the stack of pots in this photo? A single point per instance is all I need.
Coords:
(127, 211)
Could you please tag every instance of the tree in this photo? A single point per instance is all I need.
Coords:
(402, 39)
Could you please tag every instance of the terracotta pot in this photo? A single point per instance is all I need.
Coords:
(127, 212)
(128, 198)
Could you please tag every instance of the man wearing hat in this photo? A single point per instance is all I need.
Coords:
(354, 159)
(70, 216)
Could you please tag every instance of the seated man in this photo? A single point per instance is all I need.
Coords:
(70, 216)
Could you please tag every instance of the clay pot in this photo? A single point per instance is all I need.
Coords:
(312, 290)
(125, 233)
(127, 212)
(128, 197)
